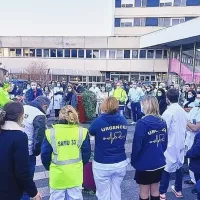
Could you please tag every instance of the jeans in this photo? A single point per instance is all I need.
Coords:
(32, 164)
(164, 184)
(197, 178)
(136, 110)
(121, 109)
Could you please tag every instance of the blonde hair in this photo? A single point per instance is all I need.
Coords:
(150, 105)
(110, 105)
(69, 114)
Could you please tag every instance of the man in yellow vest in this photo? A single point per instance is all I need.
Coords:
(120, 94)
(4, 94)
(65, 149)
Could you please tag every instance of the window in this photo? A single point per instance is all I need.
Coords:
(74, 53)
(180, 2)
(46, 53)
(165, 54)
(111, 53)
(88, 53)
(14, 52)
(59, 53)
(119, 54)
(126, 22)
(140, 3)
(127, 53)
(26, 52)
(95, 54)
(164, 22)
(176, 21)
(151, 21)
(1, 52)
(158, 53)
(166, 2)
(117, 22)
(189, 18)
(139, 21)
(150, 54)
(153, 3)
(143, 53)
(81, 53)
(18, 52)
(53, 53)
(117, 3)
(32, 52)
(103, 53)
(127, 3)
(135, 54)
(67, 53)
(38, 52)
(193, 3)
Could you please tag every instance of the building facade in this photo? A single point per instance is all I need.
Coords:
(97, 59)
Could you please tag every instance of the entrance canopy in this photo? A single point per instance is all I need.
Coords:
(181, 34)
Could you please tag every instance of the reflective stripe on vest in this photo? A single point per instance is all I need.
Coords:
(55, 151)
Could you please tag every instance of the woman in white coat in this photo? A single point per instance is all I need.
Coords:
(57, 99)
(176, 120)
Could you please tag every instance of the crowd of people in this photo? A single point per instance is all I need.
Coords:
(167, 125)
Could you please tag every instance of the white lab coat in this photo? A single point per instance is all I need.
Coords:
(176, 120)
(96, 90)
(57, 99)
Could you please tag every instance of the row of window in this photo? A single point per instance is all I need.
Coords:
(83, 53)
(155, 3)
(150, 21)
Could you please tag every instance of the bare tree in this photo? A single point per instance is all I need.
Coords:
(38, 71)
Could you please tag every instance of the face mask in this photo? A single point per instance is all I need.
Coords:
(58, 85)
(148, 90)
(33, 87)
(159, 94)
(69, 90)
(190, 96)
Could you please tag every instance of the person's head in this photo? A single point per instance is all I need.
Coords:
(162, 85)
(149, 88)
(103, 89)
(134, 85)
(150, 105)
(38, 86)
(33, 85)
(110, 105)
(191, 94)
(187, 87)
(43, 102)
(118, 85)
(47, 89)
(68, 114)
(197, 100)
(171, 87)
(198, 88)
(144, 88)
(12, 111)
(70, 88)
(193, 86)
(58, 84)
(28, 86)
(172, 96)
(161, 92)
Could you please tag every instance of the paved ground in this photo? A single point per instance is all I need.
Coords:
(129, 187)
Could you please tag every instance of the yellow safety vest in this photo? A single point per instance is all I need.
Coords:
(66, 169)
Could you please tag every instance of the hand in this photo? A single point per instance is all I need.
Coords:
(37, 197)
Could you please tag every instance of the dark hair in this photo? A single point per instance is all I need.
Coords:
(187, 84)
(11, 112)
(162, 91)
(173, 95)
(193, 93)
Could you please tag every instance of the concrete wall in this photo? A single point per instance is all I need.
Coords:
(140, 65)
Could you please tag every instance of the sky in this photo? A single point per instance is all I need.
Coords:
(56, 17)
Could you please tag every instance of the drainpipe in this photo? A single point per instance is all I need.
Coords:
(194, 61)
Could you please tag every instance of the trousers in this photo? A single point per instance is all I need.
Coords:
(108, 183)
(68, 194)
(164, 184)
(197, 178)
(136, 111)
(32, 164)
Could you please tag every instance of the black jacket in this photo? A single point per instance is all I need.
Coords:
(15, 176)
(194, 155)
(162, 104)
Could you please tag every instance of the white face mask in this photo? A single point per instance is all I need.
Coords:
(58, 85)
(69, 90)
(159, 94)
(33, 87)
(190, 96)
(148, 90)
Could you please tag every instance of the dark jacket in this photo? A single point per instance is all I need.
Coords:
(39, 124)
(162, 104)
(46, 152)
(71, 100)
(110, 133)
(30, 96)
(149, 144)
(15, 175)
(194, 155)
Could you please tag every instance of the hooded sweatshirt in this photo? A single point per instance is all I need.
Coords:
(110, 133)
(149, 144)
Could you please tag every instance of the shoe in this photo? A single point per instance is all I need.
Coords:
(188, 182)
(178, 195)
(163, 197)
(133, 123)
(194, 191)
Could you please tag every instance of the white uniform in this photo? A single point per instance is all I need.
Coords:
(193, 115)
(97, 91)
(57, 99)
(176, 120)
(30, 113)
